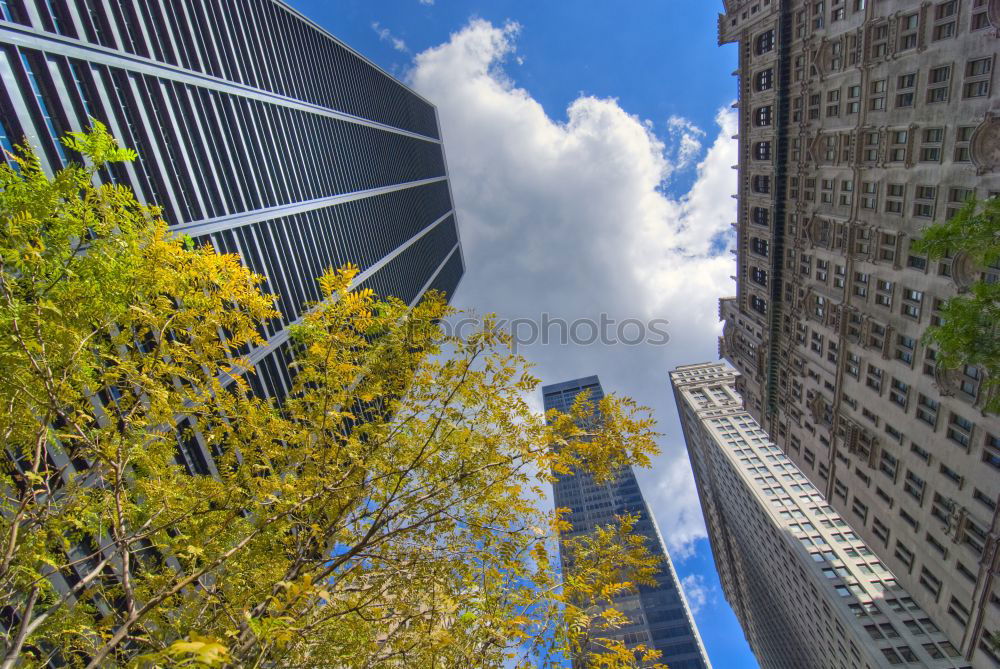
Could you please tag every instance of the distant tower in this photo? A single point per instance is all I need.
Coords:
(808, 590)
(662, 619)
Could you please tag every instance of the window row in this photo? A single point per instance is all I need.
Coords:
(259, 43)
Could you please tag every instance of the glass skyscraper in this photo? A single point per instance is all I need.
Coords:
(660, 615)
(257, 132)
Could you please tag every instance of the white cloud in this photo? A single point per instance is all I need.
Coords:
(696, 591)
(426, 2)
(386, 36)
(688, 139)
(572, 219)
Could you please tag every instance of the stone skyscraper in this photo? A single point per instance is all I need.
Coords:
(257, 132)
(861, 122)
(661, 617)
(808, 591)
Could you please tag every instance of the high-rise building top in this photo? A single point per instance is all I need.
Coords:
(808, 590)
(861, 122)
(257, 132)
(660, 614)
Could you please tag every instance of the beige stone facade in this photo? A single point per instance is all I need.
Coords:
(861, 122)
(808, 591)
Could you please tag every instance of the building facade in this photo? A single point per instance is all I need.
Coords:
(808, 590)
(861, 122)
(660, 614)
(257, 132)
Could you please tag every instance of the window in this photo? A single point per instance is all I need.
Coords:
(765, 42)
(944, 20)
(877, 95)
(931, 147)
(958, 611)
(888, 464)
(968, 382)
(960, 430)
(761, 183)
(909, 520)
(759, 246)
(764, 79)
(923, 206)
(933, 542)
(853, 364)
(905, 347)
(874, 378)
(908, 31)
(931, 582)
(899, 392)
(912, 301)
(980, 20)
(905, 85)
(914, 486)
(894, 198)
(860, 510)
(758, 276)
(977, 78)
(853, 99)
(956, 198)
(899, 145)
(880, 40)
(981, 497)
(927, 410)
(762, 116)
(833, 103)
(963, 137)
(904, 554)
(762, 151)
(880, 530)
(939, 84)
(869, 195)
(758, 304)
(883, 293)
(991, 451)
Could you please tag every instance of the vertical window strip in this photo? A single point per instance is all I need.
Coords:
(50, 123)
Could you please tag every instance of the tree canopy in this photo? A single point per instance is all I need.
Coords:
(970, 330)
(385, 514)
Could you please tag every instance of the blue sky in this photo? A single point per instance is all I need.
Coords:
(589, 145)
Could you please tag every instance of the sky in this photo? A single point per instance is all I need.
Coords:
(589, 145)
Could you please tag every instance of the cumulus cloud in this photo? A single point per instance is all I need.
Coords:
(696, 591)
(571, 218)
(687, 137)
(385, 35)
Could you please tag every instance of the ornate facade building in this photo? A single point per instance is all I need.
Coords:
(861, 122)
(807, 589)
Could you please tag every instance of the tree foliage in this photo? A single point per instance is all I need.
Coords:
(383, 515)
(970, 331)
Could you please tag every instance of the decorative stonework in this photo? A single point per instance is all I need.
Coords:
(985, 146)
(993, 13)
(964, 271)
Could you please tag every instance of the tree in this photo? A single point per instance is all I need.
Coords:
(383, 515)
(970, 330)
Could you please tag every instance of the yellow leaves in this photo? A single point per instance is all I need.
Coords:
(194, 651)
(390, 502)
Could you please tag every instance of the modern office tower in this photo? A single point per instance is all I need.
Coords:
(808, 590)
(662, 619)
(861, 122)
(257, 132)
